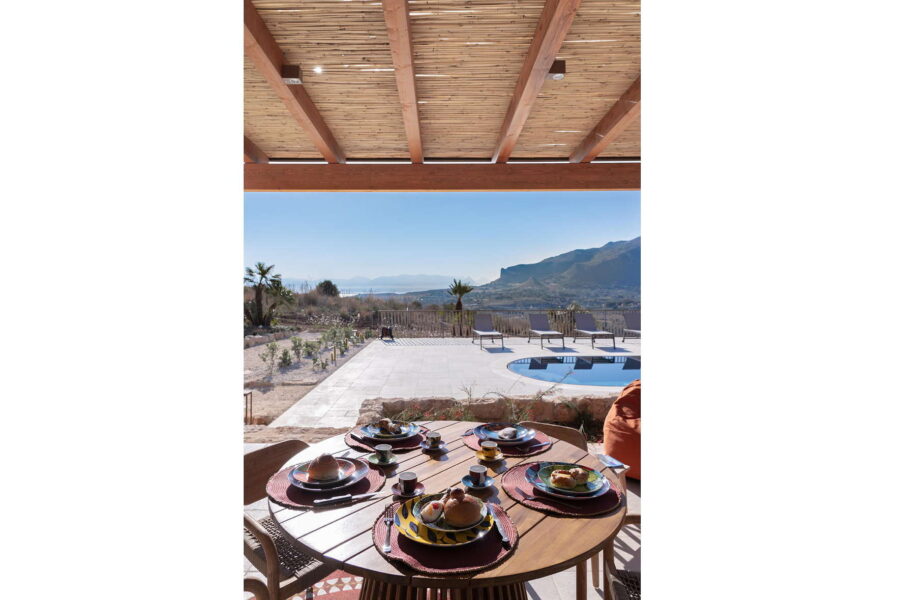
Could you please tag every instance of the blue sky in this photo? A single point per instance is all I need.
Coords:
(458, 234)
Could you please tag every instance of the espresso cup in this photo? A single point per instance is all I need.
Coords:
(489, 449)
(478, 473)
(434, 439)
(408, 481)
(384, 452)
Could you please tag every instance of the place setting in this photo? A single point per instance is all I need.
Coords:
(506, 440)
(449, 532)
(325, 481)
(401, 436)
(561, 488)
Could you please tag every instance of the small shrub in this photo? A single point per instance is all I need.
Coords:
(268, 357)
(297, 347)
(285, 361)
(310, 348)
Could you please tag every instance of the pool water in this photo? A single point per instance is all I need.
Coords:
(580, 370)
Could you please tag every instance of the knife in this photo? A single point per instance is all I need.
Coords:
(500, 528)
(541, 445)
(347, 498)
(357, 437)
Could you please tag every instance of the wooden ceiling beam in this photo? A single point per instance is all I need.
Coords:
(434, 178)
(396, 17)
(622, 114)
(263, 50)
(252, 153)
(551, 31)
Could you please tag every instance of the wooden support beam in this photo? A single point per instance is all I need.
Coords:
(263, 50)
(396, 17)
(252, 153)
(623, 113)
(430, 177)
(551, 31)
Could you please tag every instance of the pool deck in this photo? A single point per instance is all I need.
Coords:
(437, 367)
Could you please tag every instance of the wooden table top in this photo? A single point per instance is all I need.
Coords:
(342, 537)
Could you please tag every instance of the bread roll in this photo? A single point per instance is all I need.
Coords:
(562, 479)
(462, 510)
(579, 475)
(509, 433)
(323, 468)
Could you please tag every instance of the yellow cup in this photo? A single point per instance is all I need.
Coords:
(489, 449)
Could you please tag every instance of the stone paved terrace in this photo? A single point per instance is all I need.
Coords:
(435, 367)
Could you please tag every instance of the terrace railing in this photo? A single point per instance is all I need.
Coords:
(455, 323)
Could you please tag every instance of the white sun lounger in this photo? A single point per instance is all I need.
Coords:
(632, 325)
(484, 328)
(586, 326)
(540, 328)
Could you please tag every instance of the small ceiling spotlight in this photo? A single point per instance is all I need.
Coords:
(291, 74)
(317, 70)
(557, 70)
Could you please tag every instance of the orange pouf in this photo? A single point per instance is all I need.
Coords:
(622, 429)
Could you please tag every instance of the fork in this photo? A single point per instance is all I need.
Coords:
(388, 520)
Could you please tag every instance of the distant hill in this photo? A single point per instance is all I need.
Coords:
(615, 264)
(605, 277)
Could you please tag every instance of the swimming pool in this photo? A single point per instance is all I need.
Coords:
(580, 370)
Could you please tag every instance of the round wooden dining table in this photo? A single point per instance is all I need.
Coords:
(342, 536)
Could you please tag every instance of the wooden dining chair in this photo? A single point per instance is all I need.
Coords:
(577, 439)
(620, 584)
(286, 570)
(257, 588)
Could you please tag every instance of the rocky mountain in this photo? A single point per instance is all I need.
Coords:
(616, 264)
(605, 277)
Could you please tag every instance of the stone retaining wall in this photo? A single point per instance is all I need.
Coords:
(558, 409)
(257, 340)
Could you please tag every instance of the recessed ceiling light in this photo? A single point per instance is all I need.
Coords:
(317, 70)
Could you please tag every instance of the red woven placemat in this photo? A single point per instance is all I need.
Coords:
(526, 449)
(485, 553)
(514, 480)
(280, 490)
(407, 445)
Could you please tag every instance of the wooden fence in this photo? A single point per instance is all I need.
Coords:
(453, 323)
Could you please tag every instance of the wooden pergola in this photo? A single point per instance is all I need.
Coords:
(362, 95)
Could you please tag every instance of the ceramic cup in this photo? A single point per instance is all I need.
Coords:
(478, 473)
(384, 452)
(489, 449)
(408, 481)
(434, 439)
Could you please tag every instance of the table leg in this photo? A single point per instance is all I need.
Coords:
(581, 581)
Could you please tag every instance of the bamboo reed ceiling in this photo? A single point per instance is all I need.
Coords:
(467, 58)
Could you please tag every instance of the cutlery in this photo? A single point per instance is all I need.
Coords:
(357, 437)
(347, 498)
(547, 499)
(609, 461)
(388, 520)
(541, 445)
(500, 527)
(468, 432)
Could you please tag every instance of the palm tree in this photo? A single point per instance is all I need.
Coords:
(263, 283)
(459, 289)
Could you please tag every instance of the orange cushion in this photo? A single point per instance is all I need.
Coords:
(622, 429)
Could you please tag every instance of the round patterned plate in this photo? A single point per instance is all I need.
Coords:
(300, 475)
(373, 432)
(360, 470)
(491, 431)
(599, 483)
(410, 527)
(440, 525)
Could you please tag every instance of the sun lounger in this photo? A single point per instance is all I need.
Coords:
(585, 326)
(484, 328)
(632, 325)
(540, 328)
